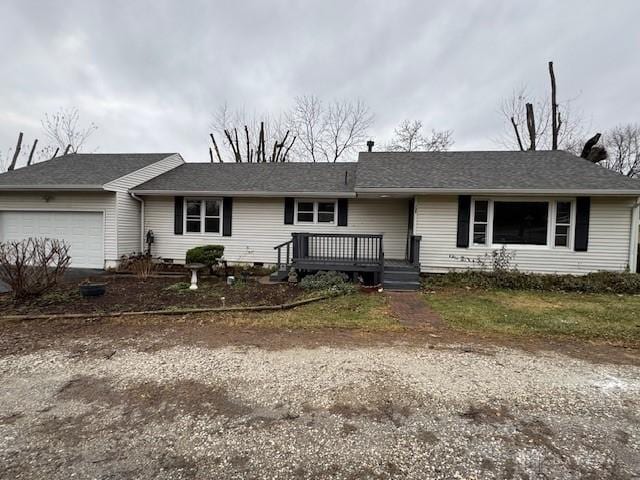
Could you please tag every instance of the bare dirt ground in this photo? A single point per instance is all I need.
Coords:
(182, 398)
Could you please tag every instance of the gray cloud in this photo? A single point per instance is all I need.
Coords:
(151, 73)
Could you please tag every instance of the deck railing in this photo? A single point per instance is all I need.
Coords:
(284, 250)
(336, 248)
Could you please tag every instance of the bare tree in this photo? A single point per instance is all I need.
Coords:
(324, 131)
(623, 146)
(408, 137)
(308, 119)
(570, 128)
(24, 154)
(239, 136)
(347, 124)
(65, 131)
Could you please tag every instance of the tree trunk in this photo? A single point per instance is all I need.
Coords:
(215, 145)
(286, 152)
(246, 132)
(66, 150)
(16, 153)
(515, 128)
(33, 149)
(555, 124)
(531, 126)
(589, 152)
(55, 153)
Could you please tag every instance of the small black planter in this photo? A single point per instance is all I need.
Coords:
(93, 289)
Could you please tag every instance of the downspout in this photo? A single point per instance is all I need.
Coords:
(633, 242)
(133, 195)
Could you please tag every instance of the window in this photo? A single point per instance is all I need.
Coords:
(528, 222)
(520, 223)
(563, 223)
(480, 221)
(326, 212)
(202, 215)
(308, 211)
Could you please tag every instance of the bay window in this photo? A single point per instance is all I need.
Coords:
(202, 215)
(538, 223)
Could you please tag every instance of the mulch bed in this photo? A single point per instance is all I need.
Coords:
(127, 293)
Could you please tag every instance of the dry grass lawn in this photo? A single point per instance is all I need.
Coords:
(608, 317)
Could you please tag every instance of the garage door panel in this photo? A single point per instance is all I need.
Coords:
(83, 231)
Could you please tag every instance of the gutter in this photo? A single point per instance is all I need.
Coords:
(633, 239)
(49, 188)
(232, 193)
(493, 191)
(133, 195)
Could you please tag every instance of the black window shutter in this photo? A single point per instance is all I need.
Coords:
(343, 212)
(583, 212)
(227, 215)
(289, 206)
(178, 213)
(464, 213)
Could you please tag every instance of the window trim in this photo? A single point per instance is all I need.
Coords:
(315, 211)
(551, 223)
(203, 215)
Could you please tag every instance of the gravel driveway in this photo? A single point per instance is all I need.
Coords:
(82, 408)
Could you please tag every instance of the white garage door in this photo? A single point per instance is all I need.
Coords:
(81, 230)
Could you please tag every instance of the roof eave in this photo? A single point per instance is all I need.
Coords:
(74, 188)
(499, 191)
(209, 193)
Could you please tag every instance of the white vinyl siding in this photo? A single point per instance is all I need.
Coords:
(145, 174)
(129, 232)
(258, 226)
(72, 202)
(609, 236)
(129, 218)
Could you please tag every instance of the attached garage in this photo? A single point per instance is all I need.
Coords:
(83, 231)
(84, 200)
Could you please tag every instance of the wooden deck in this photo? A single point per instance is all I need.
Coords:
(342, 253)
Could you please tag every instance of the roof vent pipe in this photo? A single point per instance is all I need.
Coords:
(370, 145)
(346, 177)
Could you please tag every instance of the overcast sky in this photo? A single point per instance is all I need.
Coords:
(150, 73)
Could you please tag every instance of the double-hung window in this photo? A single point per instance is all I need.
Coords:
(202, 215)
(316, 211)
(563, 224)
(544, 223)
(480, 221)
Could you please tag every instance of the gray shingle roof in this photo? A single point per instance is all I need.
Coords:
(499, 170)
(256, 178)
(78, 170)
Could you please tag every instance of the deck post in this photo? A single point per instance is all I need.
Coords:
(381, 259)
(414, 253)
(355, 249)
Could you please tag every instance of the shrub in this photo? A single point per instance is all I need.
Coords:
(331, 282)
(140, 264)
(498, 260)
(32, 266)
(598, 282)
(208, 255)
(178, 287)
